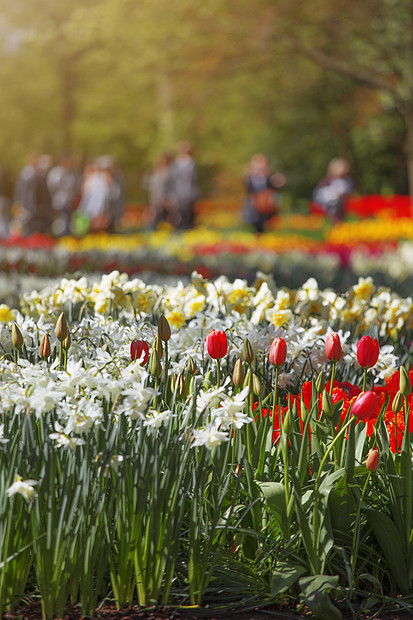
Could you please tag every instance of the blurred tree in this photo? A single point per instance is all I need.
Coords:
(370, 42)
(134, 78)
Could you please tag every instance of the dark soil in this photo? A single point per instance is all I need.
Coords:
(32, 611)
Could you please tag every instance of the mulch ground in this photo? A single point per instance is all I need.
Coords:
(32, 611)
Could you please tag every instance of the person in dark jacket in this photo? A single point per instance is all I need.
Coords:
(183, 188)
(262, 197)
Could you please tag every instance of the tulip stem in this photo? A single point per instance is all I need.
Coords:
(287, 533)
(333, 372)
(61, 365)
(218, 373)
(166, 371)
(274, 400)
(364, 380)
(357, 528)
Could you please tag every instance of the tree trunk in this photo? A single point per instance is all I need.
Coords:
(68, 103)
(408, 118)
(166, 115)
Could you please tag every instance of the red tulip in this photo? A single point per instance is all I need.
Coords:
(365, 406)
(137, 347)
(372, 461)
(367, 351)
(278, 352)
(333, 347)
(217, 344)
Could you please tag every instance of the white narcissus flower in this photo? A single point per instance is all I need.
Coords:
(63, 439)
(155, 419)
(211, 398)
(136, 401)
(23, 487)
(230, 412)
(209, 437)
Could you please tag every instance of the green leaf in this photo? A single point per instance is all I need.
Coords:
(286, 575)
(315, 590)
(274, 494)
(391, 544)
(341, 507)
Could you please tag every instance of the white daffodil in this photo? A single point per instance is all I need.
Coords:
(23, 487)
(64, 440)
(230, 412)
(155, 419)
(210, 399)
(210, 437)
(135, 402)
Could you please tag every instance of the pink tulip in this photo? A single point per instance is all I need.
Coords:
(365, 406)
(372, 461)
(333, 347)
(367, 351)
(278, 352)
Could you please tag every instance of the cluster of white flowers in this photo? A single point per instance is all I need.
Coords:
(364, 306)
(223, 411)
(101, 375)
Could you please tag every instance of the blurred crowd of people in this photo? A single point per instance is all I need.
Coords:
(263, 199)
(173, 188)
(64, 197)
(61, 197)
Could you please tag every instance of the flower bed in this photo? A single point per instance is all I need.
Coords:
(212, 445)
(335, 256)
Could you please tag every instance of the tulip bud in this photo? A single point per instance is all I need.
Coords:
(238, 374)
(333, 347)
(367, 351)
(365, 406)
(155, 365)
(44, 350)
(397, 403)
(373, 460)
(67, 342)
(256, 384)
(405, 384)
(137, 347)
(158, 346)
(191, 366)
(327, 404)
(180, 386)
(217, 344)
(16, 336)
(278, 352)
(320, 383)
(247, 352)
(61, 327)
(288, 424)
(164, 329)
(208, 380)
(248, 379)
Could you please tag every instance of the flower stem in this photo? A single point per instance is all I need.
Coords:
(364, 380)
(333, 372)
(357, 528)
(218, 373)
(274, 400)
